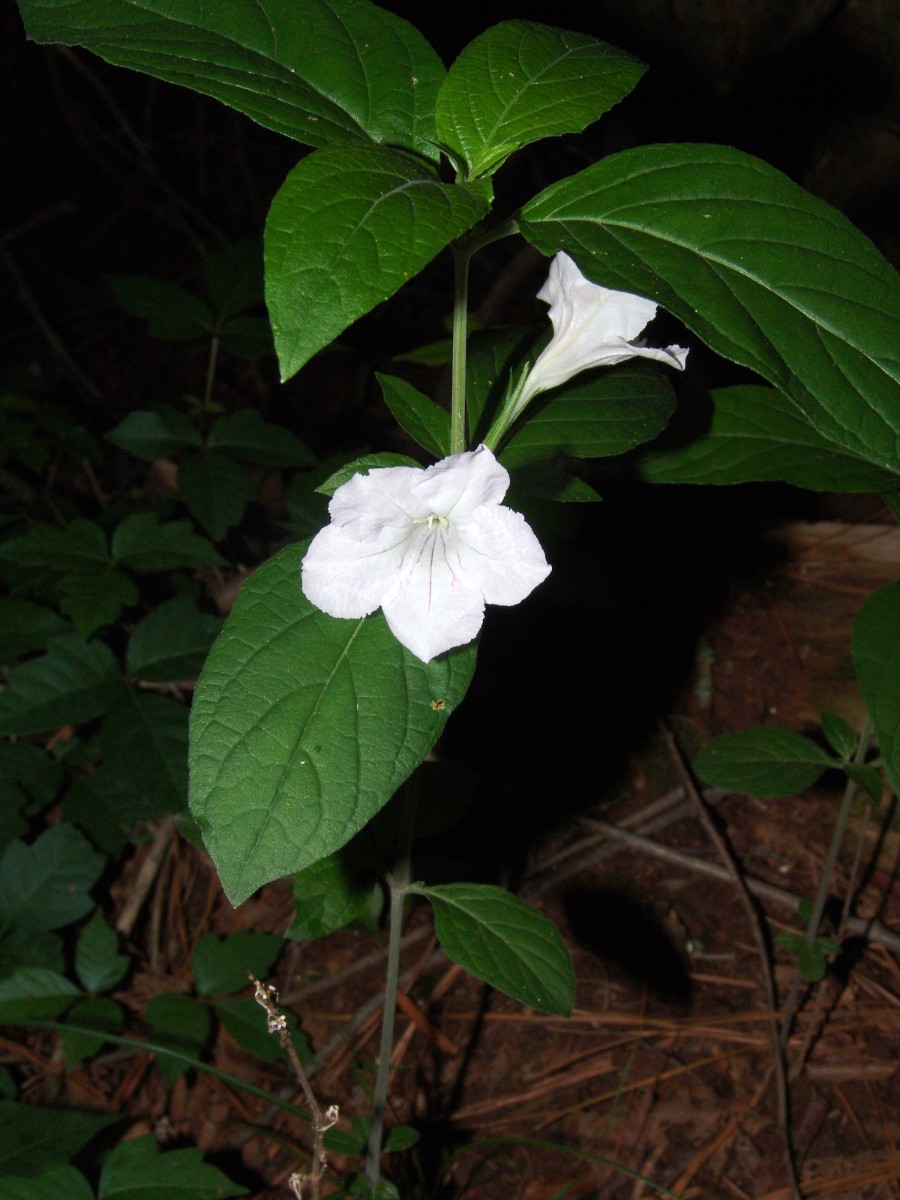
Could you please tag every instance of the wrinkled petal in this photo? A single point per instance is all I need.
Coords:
(456, 486)
(366, 505)
(499, 549)
(346, 577)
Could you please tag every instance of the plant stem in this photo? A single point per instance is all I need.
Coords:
(812, 929)
(461, 255)
(398, 883)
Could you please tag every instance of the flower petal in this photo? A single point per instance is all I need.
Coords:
(436, 607)
(498, 549)
(456, 486)
(346, 577)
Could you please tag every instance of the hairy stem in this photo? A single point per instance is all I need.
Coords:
(398, 883)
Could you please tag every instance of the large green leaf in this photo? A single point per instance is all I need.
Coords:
(45, 885)
(318, 71)
(347, 228)
(519, 82)
(758, 434)
(303, 726)
(136, 1170)
(768, 275)
(500, 939)
(764, 761)
(600, 415)
(73, 682)
(876, 656)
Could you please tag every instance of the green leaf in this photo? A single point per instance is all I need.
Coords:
(74, 681)
(841, 736)
(496, 937)
(422, 419)
(867, 778)
(45, 885)
(173, 313)
(108, 808)
(757, 434)
(332, 892)
(25, 627)
(32, 994)
(57, 1183)
(94, 599)
(876, 656)
(33, 769)
(318, 71)
(34, 1138)
(22, 947)
(764, 761)
(97, 960)
(234, 277)
(143, 544)
(361, 466)
(519, 82)
(247, 1024)
(606, 413)
(172, 642)
(766, 274)
(94, 1013)
(493, 356)
(216, 490)
(223, 966)
(152, 435)
(347, 228)
(546, 482)
(246, 435)
(401, 1137)
(303, 726)
(80, 547)
(182, 1023)
(136, 1170)
(144, 742)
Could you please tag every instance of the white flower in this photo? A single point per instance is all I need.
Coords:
(430, 547)
(592, 327)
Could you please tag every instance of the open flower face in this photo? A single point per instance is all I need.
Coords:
(430, 547)
(592, 327)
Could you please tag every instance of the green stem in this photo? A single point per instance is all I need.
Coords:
(461, 255)
(812, 929)
(211, 371)
(398, 883)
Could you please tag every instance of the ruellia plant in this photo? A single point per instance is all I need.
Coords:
(346, 653)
